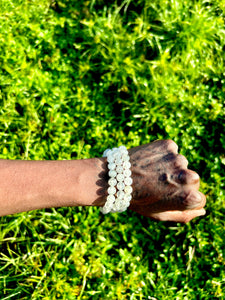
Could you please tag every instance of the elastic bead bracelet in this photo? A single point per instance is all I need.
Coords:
(120, 181)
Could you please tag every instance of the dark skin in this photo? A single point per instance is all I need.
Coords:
(163, 188)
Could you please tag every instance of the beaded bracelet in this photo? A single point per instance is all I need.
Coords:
(120, 181)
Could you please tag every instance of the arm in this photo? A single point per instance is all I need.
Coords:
(163, 187)
(29, 185)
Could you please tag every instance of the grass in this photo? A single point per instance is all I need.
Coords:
(77, 77)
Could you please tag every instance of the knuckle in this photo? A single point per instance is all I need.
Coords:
(192, 199)
(182, 176)
(180, 161)
(171, 145)
(185, 176)
(170, 157)
(203, 203)
(194, 177)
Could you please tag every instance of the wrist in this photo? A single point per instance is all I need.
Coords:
(120, 181)
(100, 181)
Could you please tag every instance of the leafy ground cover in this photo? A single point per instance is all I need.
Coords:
(77, 77)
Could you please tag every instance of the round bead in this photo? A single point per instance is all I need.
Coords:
(120, 177)
(114, 151)
(111, 190)
(125, 157)
(110, 159)
(127, 197)
(117, 155)
(120, 194)
(109, 152)
(111, 198)
(120, 186)
(118, 161)
(103, 210)
(112, 173)
(128, 189)
(112, 181)
(107, 205)
(123, 148)
(106, 152)
(128, 181)
(126, 165)
(126, 205)
(119, 169)
(127, 172)
(111, 166)
(117, 205)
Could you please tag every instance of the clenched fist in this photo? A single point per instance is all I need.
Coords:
(163, 188)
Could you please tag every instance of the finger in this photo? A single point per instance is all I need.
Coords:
(184, 200)
(180, 162)
(193, 199)
(171, 146)
(178, 216)
(186, 177)
(166, 146)
(177, 161)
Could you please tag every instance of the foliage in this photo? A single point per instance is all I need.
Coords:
(77, 77)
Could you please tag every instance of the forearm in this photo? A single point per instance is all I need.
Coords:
(29, 185)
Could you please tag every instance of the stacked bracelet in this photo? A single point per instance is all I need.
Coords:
(120, 181)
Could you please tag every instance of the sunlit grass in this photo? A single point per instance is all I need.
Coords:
(77, 77)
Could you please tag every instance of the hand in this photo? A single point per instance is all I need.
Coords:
(163, 188)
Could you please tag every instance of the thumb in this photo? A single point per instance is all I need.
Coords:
(178, 216)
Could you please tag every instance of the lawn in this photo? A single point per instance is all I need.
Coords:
(77, 77)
